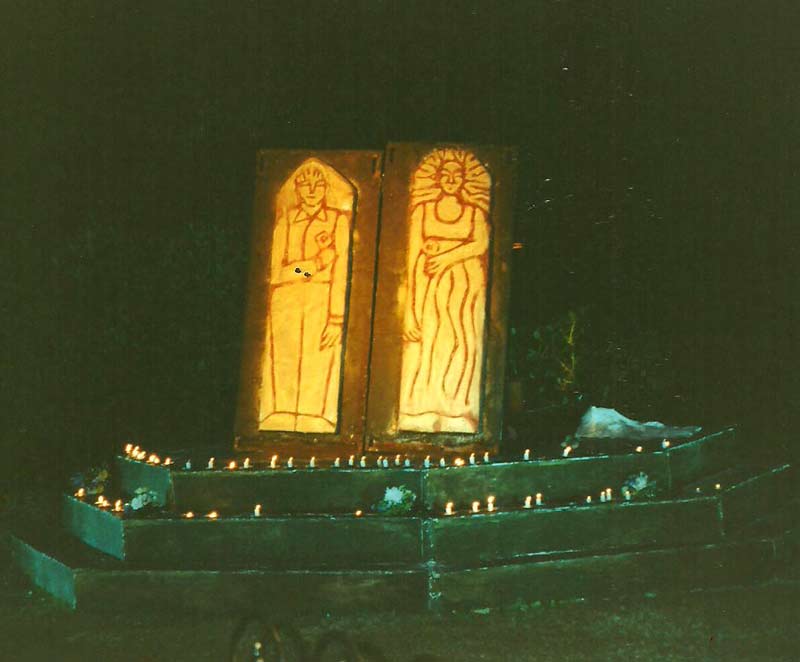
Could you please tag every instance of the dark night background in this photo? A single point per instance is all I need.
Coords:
(658, 183)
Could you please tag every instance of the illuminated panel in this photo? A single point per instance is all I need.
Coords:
(446, 281)
(309, 265)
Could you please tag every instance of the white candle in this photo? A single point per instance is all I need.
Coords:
(472, 459)
(81, 493)
(386, 463)
(167, 461)
(337, 463)
(528, 500)
(187, 465)
(427, 462)
(665, 444)
(407, 462)
(527, 454)
(273, 463)
(448, 509)
(210, 463)
(490, 504)
(118, 505)
(213, 514)
(639, 449)
(246, 463)
(312, 463)
(232, 465)
(135, 451)
(257, 510)
(567, 451)
(352, 461)
(153, 459)
(627, 494)
(603, 496)
(476, 506)
(442, 463)
(538, 498)
(128, 449)
(359, 513)
(188, 515)
(379, 461)
(608, 494)
(397, 460)
(717, 486)
(290, 463)
(486, 457)
(588, 499)
(142, 455)
(363, 462)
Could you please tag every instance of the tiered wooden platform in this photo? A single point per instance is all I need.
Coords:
(712, 524)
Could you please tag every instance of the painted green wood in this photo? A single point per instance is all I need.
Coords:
(277, 594)
(95, 527)
(557, 480)
(708, 455)
(757, 497)
(471, 540)
(286, 542)
(633, 573)
(131, 475)
(44, 571)
(290, 491)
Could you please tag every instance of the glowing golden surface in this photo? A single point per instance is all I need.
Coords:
(301, 373)
(449, 235)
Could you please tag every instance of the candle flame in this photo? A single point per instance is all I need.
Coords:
(273, 462)
(213, 515)
(231, 465)
(665, 443)
(639, 449)
(118, 505)
(459, 462)
(211, 463)
(246, 463)
(128, 448)
(448, 508)
(528, 501)
(188, 515)
(167, 461)
(490, 503)
(312, 462)
(567, 451)
(358, 513)
(257, 510)
(81, 493)
(476, 506)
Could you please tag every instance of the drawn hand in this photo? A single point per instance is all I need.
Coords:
(435, 264)
(331, 335)
(412, 333)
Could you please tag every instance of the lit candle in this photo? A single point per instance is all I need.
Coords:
(213, 514)
(385, 463)
(167, 461)
(527, 454)
(717, 486)
(352, 461)
(188, 515)
(427, 462)
(362, 462)
(698, 490)
(337, 463)
(135, 451)
(246, 463)
(486, 457)
(210, 463)
(142, 455)
(407, 462)
(459, 462)
(442, 463)
(231, 465)
(312, 463)
(528, 500)
(639, 449)
(358, 513)
(627, 494)
(589, 499)
(665, 444)
(257, 510)
(128, 449)
(187, 465)
(379, 461)
(448, 508)
(608, 494)
(476, 506)
(153, 459)
(538, 498)
(490, 504)
(397, 460)
(81, 493)
(603, 496)
(567, 451)
(118, 506)
(290, 463)
(273, 463)
(472, 459)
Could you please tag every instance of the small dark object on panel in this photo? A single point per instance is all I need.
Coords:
(307, 275)
(298, 270)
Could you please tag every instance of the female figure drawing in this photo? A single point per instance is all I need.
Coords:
(309, 263)
(445, 311)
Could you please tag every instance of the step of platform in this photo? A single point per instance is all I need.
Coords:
(344, 490)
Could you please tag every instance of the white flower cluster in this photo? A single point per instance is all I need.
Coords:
(144, 497)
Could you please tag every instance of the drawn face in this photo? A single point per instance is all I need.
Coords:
(451, 177)
(311, 188)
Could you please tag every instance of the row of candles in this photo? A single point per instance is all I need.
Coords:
(136, 453)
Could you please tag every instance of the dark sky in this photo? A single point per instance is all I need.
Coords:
(658, 179)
